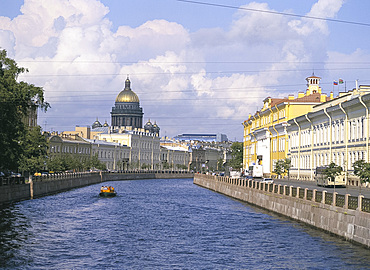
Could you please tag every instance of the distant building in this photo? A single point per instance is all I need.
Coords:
(202, 137)
(152, 128)
(265, 134)
(176, 158)
(336, 131)
(127, 110)
(114, 155)
(144, 146)
(68, 145)
(125, 144)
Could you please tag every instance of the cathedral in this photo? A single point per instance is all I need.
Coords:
(128, 113)
(127, 110)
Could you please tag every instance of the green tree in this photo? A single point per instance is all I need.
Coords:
(17, 99)
(332, 171)
(96, 163)
(34, 154)
(165, 165)
(279, 167)
(70, 162)
(362, 170)
(282, 166)
(236, 161)
(56, 164)
(181, 166)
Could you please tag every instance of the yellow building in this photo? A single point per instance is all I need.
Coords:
(265, 135)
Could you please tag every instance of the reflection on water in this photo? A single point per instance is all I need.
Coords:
(162, 224)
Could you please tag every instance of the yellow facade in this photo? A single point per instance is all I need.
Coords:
(265, 136)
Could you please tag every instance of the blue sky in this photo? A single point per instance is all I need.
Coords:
(196, 67)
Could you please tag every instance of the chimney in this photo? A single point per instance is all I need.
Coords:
(323, 98)
(291, 97)
(300, 94)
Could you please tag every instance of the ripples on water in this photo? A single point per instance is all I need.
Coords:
(162, 224)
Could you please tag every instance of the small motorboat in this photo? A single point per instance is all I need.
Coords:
(107, 191)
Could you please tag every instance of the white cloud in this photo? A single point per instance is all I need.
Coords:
(322, 9)
(169, 67)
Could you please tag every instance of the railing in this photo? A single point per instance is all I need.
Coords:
(344, 201)
(294, 192)
(5, 181)
(352, 203)
(318, 197)
(12, 180)
(329, 198)
(301, 193)
(340, 200)
(58, 176)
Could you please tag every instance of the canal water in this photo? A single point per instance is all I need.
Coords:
(162, 224)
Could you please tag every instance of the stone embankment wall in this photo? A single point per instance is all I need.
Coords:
(15, 190)
(342, 215)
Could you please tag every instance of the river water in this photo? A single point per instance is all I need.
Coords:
(162, 224)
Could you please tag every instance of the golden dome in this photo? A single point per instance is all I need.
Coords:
(127, 95)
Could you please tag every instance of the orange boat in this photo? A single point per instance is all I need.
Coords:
(107, 191)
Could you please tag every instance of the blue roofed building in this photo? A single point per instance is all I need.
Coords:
(202, 137)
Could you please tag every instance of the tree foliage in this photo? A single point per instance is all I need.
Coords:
(74, 163)
(34, 154)
(332, 171)
(16, 101)
(362, 170)
(282, 166)
(236, 161)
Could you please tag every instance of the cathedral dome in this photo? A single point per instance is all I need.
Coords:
(127, 95)
(96, 124)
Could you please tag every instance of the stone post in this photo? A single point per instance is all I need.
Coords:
(334, 198)
(279, 188)
(298, 189)
(305, 193)
(323, 196)
(360, 197)
(314, 195)
(346, 201)
(31, 186)
(290, 191)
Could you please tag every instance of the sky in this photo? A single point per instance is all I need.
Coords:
(196, 66)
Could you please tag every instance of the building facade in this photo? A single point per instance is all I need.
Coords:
(114, 155)
(265, 134)
(144, 146)
(176, 158)
(336, 131)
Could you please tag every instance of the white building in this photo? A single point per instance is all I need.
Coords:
(176, 157)
(114, 155)
(144, 146)
(335, 131)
